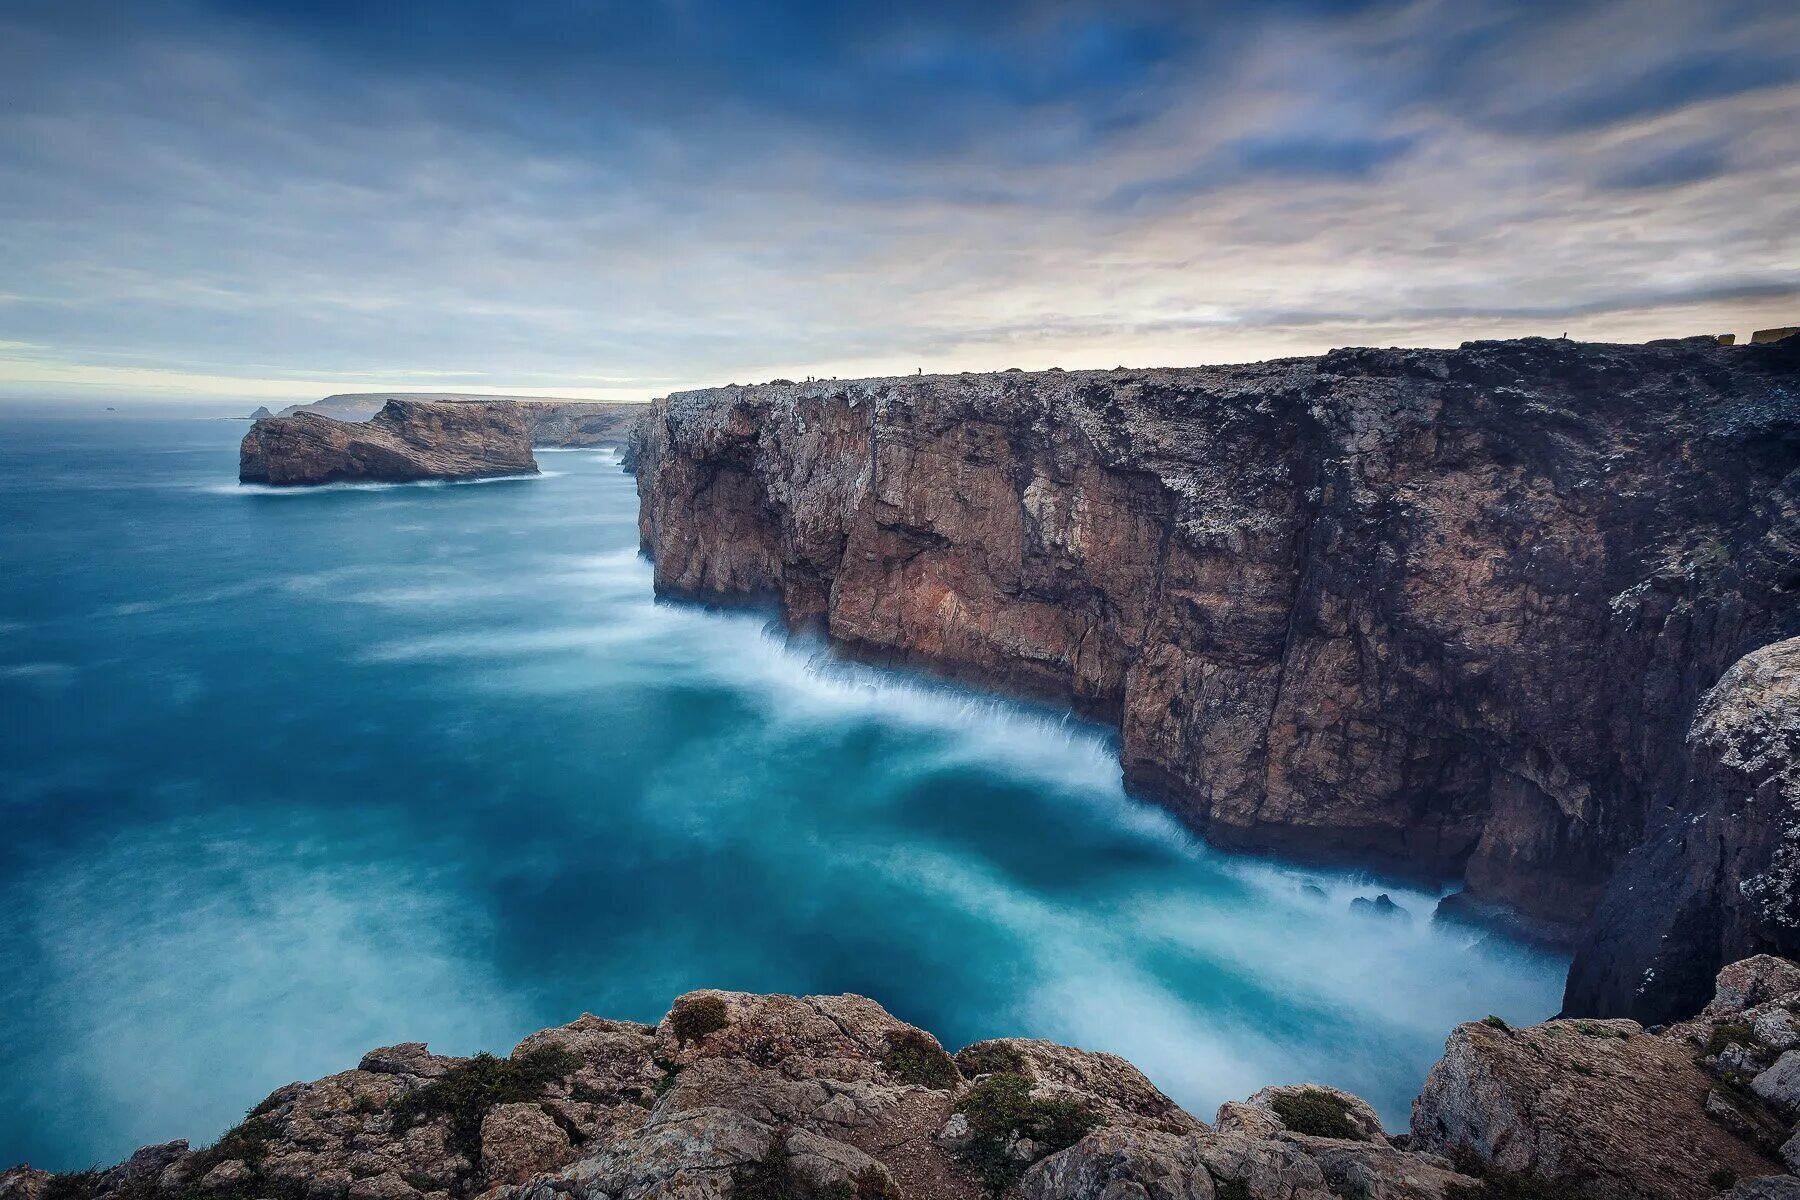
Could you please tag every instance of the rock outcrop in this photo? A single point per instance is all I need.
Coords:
(831, 1098)
(553, 421)
(1449, 610)
(407, 440)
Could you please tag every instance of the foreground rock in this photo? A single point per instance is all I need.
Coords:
(832, 1098)
(408, 440)
(1452, 609)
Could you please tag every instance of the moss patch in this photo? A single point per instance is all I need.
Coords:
(693, 1017)
(1317, 1113)
(466, 1093)
(914, 1057)
(1725, 1035)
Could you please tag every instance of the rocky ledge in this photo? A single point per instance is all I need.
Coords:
(831, 1098)
(408, 440)
(1449, 610)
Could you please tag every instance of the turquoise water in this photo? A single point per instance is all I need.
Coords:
(289, 775)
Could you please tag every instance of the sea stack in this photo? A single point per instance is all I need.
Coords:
(407, 441)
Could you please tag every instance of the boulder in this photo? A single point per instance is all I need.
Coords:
(519, 1141)
(1780, 1084)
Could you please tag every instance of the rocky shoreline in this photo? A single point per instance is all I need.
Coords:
(831, 1098)
(1454, 612)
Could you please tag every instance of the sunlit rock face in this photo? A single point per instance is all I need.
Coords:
(407, 440)
(1450, 609)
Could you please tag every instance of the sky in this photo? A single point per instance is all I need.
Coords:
(619, 198)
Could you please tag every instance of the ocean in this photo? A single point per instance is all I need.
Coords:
(289, 775)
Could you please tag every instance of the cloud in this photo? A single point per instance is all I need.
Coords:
(561, 196)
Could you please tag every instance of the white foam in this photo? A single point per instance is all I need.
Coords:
(314, 489)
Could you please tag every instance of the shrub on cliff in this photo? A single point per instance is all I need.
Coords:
(1496, 1184)
(467, 1092)
(693, 1017)
(1002, 1112)
(773, 1177)
(71, 1185)
(1317, 1113)
(990, 1058)
(914, 1057)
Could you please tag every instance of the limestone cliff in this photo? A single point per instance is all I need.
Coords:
(1447, 609)
(831, 1098)
(407, 440)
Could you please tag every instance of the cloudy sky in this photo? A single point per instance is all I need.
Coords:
(615, 198)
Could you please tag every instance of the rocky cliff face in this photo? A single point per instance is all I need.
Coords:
(831, 1098)
(1448, 609)
(407, 440)
(1718, 878)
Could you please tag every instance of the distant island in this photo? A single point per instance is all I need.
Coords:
(554, 421)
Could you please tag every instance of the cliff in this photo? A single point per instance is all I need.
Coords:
(553, 421)
(1447, 610)
(407, 440)
(831, 1098)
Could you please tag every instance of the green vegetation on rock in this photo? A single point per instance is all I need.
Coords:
(466, 1093)
(1001, 1109)
(693, 1017)
(915, 1057)
(1317, 1113)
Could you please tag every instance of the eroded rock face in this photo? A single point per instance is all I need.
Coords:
(1719, 876)
(408, 440)
(822, 1098)
(1446, 608)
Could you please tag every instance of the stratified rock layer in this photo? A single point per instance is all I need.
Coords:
(408, 440)
(832, 1098)
(1451, 609)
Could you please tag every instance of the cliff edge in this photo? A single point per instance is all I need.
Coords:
(1445, 609)
(751, 1097)
(407, 441)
